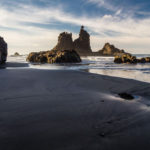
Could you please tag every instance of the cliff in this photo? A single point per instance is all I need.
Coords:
(3, 51)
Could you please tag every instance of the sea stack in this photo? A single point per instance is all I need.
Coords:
(82, 44)
(3, 51)
(65, 42)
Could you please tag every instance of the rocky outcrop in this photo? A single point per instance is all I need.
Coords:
(110, 50)
(63, 56)
(3, 51)
(65, 42)
(16, 54)
(82, 44)
(128, 58)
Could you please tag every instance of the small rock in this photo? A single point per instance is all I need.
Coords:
(102, 134)
(126, 96)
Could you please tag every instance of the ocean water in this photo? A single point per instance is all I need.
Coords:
(97, 65)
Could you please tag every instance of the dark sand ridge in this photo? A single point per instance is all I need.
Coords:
(71, 110)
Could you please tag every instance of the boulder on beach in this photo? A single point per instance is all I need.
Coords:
(3, 51)
(82, 44)
(110, 50)
(63, 56)
(126, 96)
(144, 60)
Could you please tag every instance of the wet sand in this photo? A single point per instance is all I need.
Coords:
(71, 110)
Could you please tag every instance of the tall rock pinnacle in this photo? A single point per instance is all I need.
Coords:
(82, 44)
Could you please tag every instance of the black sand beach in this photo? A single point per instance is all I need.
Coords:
(71, 110)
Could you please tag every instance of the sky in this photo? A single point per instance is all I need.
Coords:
(34, 25)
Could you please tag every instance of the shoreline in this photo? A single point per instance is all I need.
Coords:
(61, 109)
(112, 70)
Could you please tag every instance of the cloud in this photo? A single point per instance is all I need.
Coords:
(18, 27)
(105, 4)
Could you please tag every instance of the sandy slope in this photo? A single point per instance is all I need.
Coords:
(70, 110)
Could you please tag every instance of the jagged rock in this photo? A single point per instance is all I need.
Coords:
(128, 58)
(65, 42)
(63, 56)
(110, 50)
(118, 60)
(125, 58)
(3, 51)
(39, 57)
(144, 60)
(82, 44)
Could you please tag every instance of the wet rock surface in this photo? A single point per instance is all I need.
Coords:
(128, 58)
(64, 56)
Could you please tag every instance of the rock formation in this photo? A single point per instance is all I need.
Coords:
(3, 51)
(110, 50)
(63, 56)
(128, 58)
(16, 54)
(82, 44)
(64, 42)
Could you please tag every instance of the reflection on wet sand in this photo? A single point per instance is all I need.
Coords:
(131, 74)
(14, 65)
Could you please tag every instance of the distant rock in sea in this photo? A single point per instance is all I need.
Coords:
(16, 54)
(3, 51)
(128, 58)
(62, 56)
(82, 44)
(110, 50)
